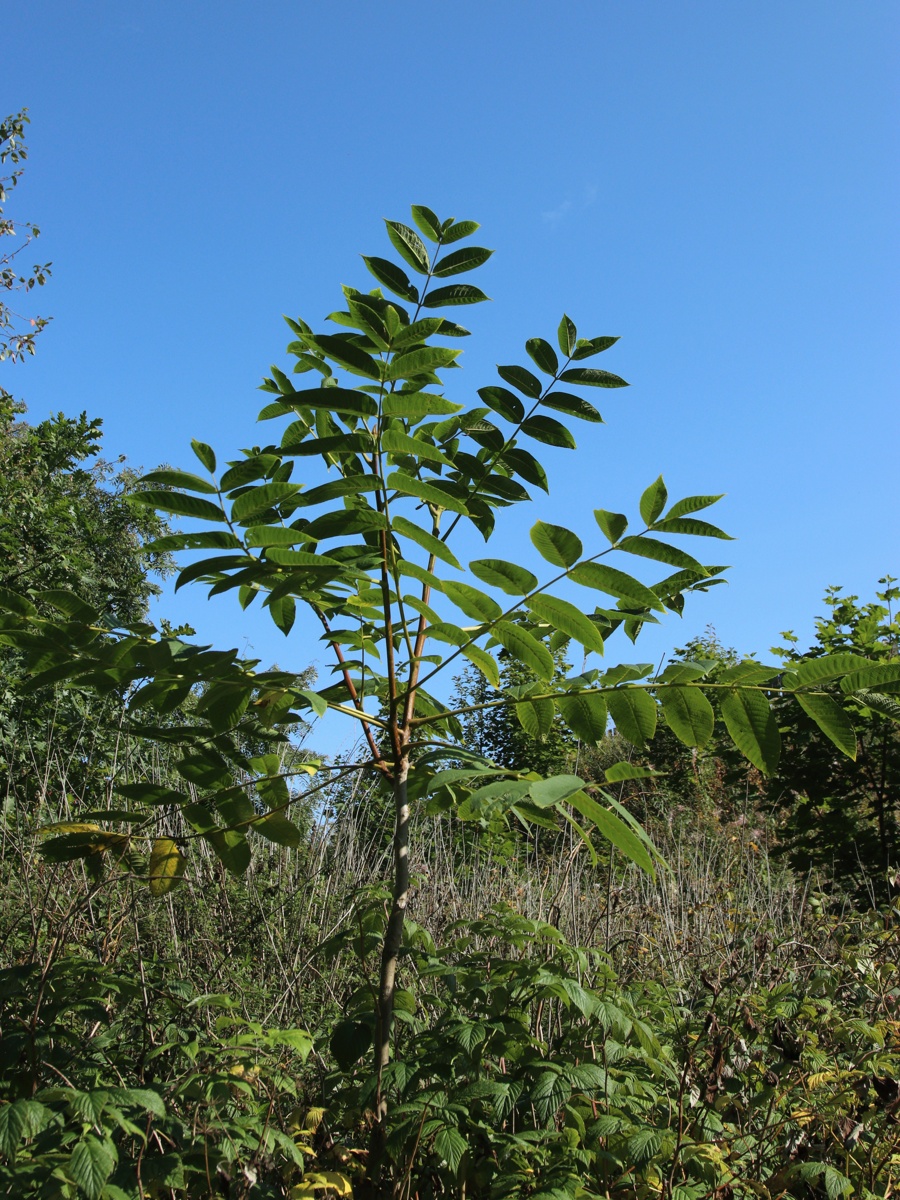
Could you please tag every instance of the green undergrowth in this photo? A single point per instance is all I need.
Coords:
(525, 1067)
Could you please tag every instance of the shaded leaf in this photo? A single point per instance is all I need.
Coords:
(454, 294)
(585, 714)
(549, 431)
(392, 277)
(634, 713)
(593, 377)
(752, 727)
(688, 714)
(179, 504)
(572, 406)
(831, 719)
(543, 354)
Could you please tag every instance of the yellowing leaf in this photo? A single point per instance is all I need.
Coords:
(167, 865)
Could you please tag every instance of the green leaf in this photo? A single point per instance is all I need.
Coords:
(392, 277)
(691, 504)
(179, 479)
(645, 547)
(572, 406)
(593, 377)
(527, 466)
(615, 830)
(588, 347)
(752, 727)
(179, 504)
(567, 336)
(334, 399)
(504, 402)
(349, 1042)
(556, 544)
(257, 500)
(343, 351)
(653, 501)
(231, 848)
(549, 431)
(205, 453)
(212, 539)
(691, 527)
(427, 541)
(486, 663)
(566, 617)
(414, 571)
(417, 333)
(886, 705)
(612, 524)
(283, 610)
(395, 442)
(409, 246)
(585, 713)
(521, 379)
(688, 714)
(872, 678)
(526, 648)
(829, 666)
(20, 1119)
(466, 259)
(91, 1163)
(472, 602)
(461, 229)
(634, 714)
(420, 362)
(508, 577)
(426, 221)
(349, 485)
(450, 1145)
(535, 717)
(543, 355)
(454, 294)
(831, 719)
(621, 771)
(616, 583)
(415, 406)
(546, 793)
(275, 827)
(409, 486)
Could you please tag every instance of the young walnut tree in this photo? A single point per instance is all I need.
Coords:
(350, 511)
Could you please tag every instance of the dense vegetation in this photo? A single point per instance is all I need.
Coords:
(509, 949)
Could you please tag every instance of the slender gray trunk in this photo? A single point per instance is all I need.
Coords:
(393, 934)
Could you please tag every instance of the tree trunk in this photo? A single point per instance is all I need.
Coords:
(393, 934)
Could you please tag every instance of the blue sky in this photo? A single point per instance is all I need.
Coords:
(715, 183)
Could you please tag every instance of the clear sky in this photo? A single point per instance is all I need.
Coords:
(717, 183)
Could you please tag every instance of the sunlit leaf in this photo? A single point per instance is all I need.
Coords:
(556, 544)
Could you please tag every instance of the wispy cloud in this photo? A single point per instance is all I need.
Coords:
(589, 194)
(556, 214)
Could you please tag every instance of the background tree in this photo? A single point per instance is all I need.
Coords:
(17, 333)
(837, 814)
